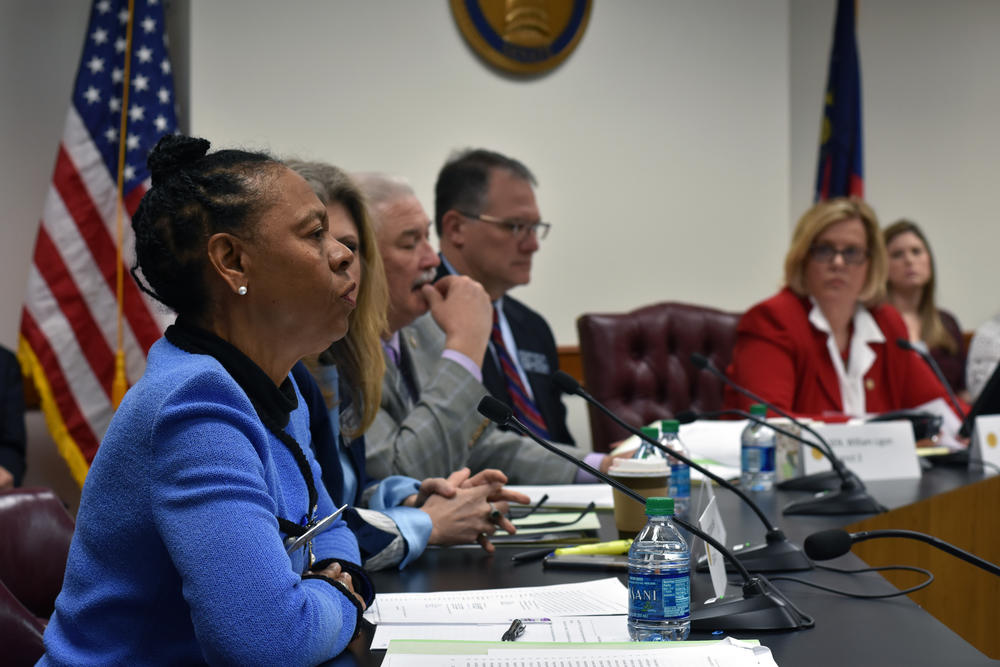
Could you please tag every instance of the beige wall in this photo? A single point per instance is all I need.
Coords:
(665, 133)
(675, 148)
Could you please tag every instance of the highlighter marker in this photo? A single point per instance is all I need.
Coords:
(615, 547)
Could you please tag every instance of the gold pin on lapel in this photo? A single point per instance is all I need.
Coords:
(869, 384)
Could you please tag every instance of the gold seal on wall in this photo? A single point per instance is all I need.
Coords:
(522, 36)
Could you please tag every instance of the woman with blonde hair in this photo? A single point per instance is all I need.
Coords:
(397, 517)
(825, 345)
(911, 287)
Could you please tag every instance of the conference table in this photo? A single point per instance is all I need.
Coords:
(847, 631)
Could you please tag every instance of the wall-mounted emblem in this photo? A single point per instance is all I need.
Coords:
(522, 36)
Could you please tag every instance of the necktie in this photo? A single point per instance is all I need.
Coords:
(404, 383)
(524, 408)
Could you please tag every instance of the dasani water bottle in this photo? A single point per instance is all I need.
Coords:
(757, 452)
(659, 578)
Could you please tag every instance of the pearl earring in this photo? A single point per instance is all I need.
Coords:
(242, 291)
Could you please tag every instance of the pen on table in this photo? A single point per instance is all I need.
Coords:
(534, 554)
(515, 630)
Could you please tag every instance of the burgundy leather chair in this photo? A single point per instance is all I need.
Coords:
(20, 630)
(638, 363)
(36, 531)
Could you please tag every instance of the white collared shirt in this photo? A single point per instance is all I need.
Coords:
(860, 357)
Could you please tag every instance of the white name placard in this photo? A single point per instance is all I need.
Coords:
(986, 440)
(873, 451)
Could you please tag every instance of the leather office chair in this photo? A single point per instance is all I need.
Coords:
(638, 363)
(21, 632)
(36, 531)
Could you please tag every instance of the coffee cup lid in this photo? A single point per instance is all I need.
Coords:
(639, 467)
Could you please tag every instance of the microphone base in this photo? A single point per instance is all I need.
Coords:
(762, 608)
(849, 499)
(828, 480)
(775, 555)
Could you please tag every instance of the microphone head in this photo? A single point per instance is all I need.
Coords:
(687, 416)
(565, 382)
(903, 343)
(700, 360)
(494, 410)
(828, 544)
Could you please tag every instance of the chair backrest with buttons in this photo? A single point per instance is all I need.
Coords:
(639, 363)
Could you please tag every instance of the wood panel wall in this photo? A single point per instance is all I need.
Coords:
(963, 597)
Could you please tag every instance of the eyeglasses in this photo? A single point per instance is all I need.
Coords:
(852, 255)
(518, 514)
(519, 229)
(591, 507)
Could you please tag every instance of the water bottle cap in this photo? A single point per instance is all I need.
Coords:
(669, 425)
(758, 410)
(656, 506)
(649, 432)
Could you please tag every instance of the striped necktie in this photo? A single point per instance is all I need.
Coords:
(524, 408)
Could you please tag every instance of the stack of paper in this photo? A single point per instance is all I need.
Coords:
(728, 651)
(713, 444)
(584, 611)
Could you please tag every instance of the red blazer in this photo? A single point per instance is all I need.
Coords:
(780, 356)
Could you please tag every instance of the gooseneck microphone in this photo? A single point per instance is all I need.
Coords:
(763, 607)
(777, 554)
(930, 361)
(828, 544)
(705, 364)
(851, 496)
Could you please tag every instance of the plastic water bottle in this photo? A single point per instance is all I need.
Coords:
(757, 452)
(680, 473)
(648, 451)
(659, 578)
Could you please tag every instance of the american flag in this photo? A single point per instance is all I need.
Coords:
(70, 324)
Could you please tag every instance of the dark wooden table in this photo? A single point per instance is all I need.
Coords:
(848, 631)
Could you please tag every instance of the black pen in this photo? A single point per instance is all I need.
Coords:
(535, 554)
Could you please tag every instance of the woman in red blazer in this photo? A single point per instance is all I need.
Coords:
(825, 345)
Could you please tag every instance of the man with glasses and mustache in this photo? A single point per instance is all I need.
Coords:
(435, 347)
(489, 225)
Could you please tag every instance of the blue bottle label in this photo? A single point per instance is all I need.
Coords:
(767, 459)
(659, 597)
(758, 459)
(680, 481)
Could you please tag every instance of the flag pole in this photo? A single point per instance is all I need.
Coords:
(119, 385)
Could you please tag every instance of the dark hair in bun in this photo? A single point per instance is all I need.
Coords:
(194, 195)
(172, 153)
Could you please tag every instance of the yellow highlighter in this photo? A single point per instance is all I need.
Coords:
(615, 547)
